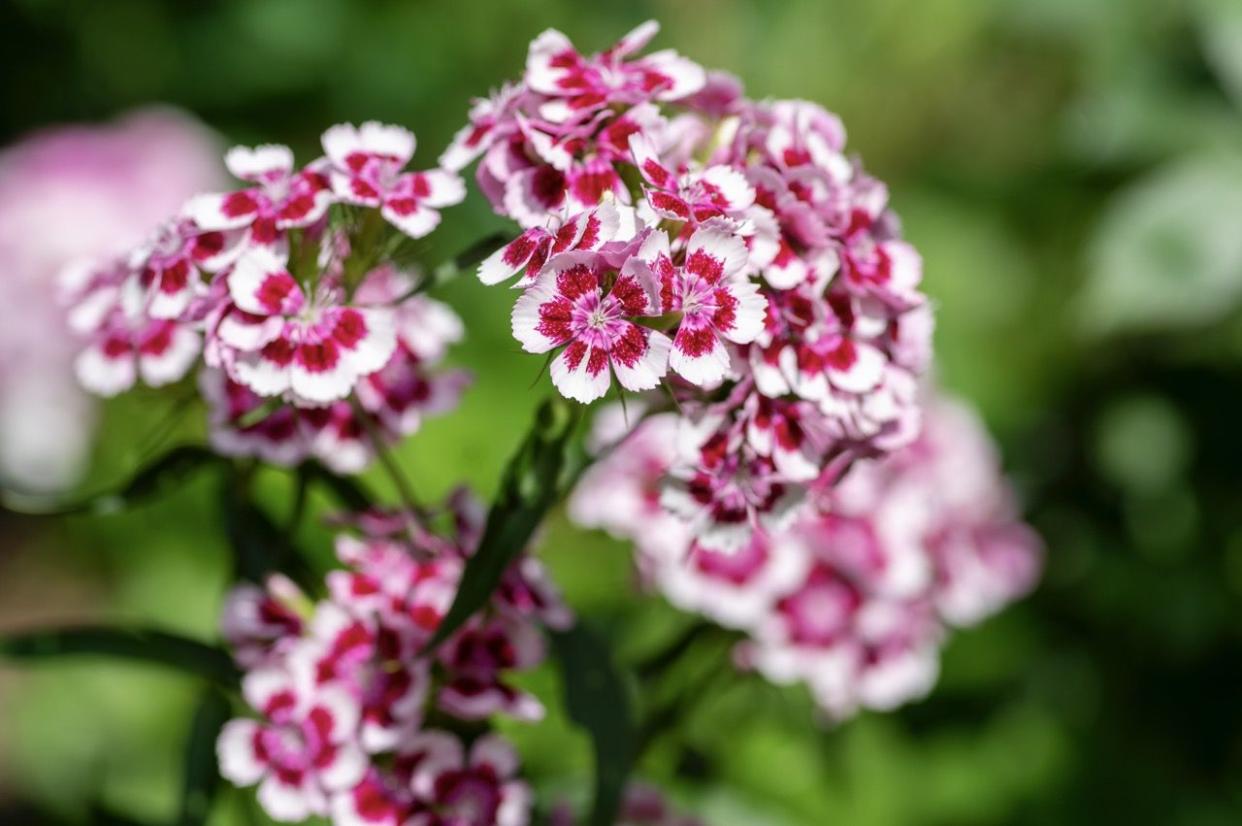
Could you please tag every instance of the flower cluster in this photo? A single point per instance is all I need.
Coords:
(355, 722)
(310, 335)
(678, 233)
(59, 191)
(852, 598)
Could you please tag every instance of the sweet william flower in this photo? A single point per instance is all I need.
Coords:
(453, 787)
(367, 163)
(714, 301)
(124, 344)
(586, 307)
(282, 199)
(301, 753)
(578, 86)
(585, 231)
(311, 346)
(715, 192)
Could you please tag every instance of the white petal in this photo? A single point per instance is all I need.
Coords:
(579, 383)
(526, 321)
(507, 260)
(260, 374)
(687, 76)
(731, 185)
(446, 188)
(235, 751)
(265, 162)
(541, 75)
(282, 802)
(347, 768)
(207, 211)
(371, 138)
(254, 275)
(706, 369)
(864, 374)
(173, 362)
(729, 251)
(752, 309)
(415, 223)
(103, 374)
(492, 750)
(651, 366)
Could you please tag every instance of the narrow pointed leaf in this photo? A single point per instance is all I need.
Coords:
(138, 644)
(535, 479)
(202, 773)
(597, 700)
(162, 474)
(260, 547)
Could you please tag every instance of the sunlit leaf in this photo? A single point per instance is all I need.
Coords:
(1168, 254)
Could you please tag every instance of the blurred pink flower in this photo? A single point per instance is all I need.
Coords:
(67, 194)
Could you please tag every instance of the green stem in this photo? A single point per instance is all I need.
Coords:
(404, 491)
(364, 249)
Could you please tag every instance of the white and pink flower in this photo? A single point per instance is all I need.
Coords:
(302, 752)
(577, 87)
(281, 340)
(366, 170)
(582, 305)
(453, 787)
(281, 198)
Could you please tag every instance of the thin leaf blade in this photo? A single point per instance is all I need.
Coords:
(137, 644)
(597, 700)
(534, 480)
(202, 772)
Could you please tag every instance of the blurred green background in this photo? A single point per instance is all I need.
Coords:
(1071, 171)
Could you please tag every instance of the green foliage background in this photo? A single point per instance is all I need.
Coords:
(1071, 171)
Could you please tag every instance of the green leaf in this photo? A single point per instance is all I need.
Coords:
(260, 547)
(202, 773)
(597, 700)
(163, 474)
(139, 644)
(535, 479)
